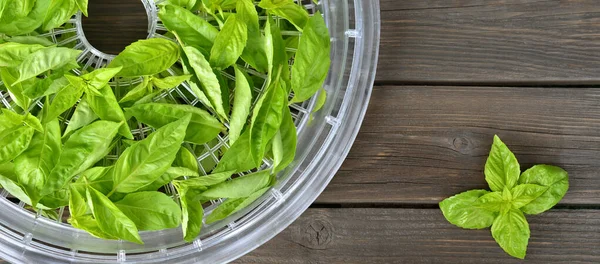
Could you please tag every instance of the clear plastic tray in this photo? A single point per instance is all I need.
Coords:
(323, 143)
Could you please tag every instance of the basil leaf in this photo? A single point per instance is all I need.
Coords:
(241, 106)
(266, 120)
(554, 178)
(501, 168)
(169, 175)
(8, 181)
(90, 225)
(12, 54)
(147, 160)
(77, 204)
(33, 166)
(146, 57)
(289, 10)
(523, 194)
(14, 141)
(238, 158)
(188, 4)
(83, 116)
(39, 88)
(511, 231)
(321, 100)
(16, 91)
(20, 8)
(204, 181)
(64, 100)
(461, 210)
(58, 13)
(239, 187)
(110, 219)
(107, 108)
(231, 206)
(191, 29)
(203, 126)
(186, 159)
(99, 78)
(83, 6)
(151, 210)
(207, 78)
(312, 61)
(82, 150)
(14, 26)
(254, 52)
(138, 91)
(192, 215)
(285, 141)
(229, 44)
(9, 119)
(56, 200)
(170, 82)
(45, 59)
(16, 119)
(276, 57)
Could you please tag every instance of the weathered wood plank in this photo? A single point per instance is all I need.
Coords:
(424, 236)
(490, 41)
(421, 144)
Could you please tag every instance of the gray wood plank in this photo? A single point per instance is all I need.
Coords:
(490, 41)
(421, 144)
(423, 236)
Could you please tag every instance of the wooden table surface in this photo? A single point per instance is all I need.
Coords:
(452, 74)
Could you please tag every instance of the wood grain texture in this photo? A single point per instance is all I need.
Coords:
(421, 144)
(490, 41)
(423, 236)
(114, 24)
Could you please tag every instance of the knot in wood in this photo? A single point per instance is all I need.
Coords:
(314, 234)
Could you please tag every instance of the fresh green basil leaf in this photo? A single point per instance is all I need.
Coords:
(523, 194)
(20, 8)
(238, 158)
(229, 44)
(321, 100)
(192, 216)
(277, 61)
(169, 175)
(204, 181)
(266, 120)
(83, 6)
(59, 12)
(64, 100)
(554, 178)
(12, 54)
(110, 219)
(55, 200)
(83, 116)
(284, 143)
(231, 206)
(312, 61)
(33, 166)
(45, 59)
(8, 181)
(191, 29)
(14, 141)
(491, 201)
(9, 119)
(107, 108)
(16, 91)
(77, 204)
(186, 159)
(511, 231)
(240, 187)
(289, 10)
(138, 91)
(151, 210)
(208, 80)
(14, 26)
(145, 161)
(203, 126)
(13, 119)
(225, 91)
(501, 168)
(170, 82)
(187, 4)
(82, 150)
(100, 77)
(461, 210)
(39, 88)
(254, 52)
(89, 224)
(242, 101)
(146, 57)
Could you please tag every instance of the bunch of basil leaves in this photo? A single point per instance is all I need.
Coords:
(66, 139)
(513, 194)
